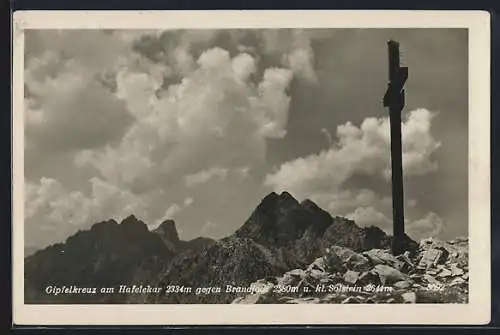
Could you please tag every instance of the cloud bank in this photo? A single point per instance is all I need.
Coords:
(153, 126)
(177, 124)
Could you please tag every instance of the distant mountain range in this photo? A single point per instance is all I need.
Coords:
(281, 234)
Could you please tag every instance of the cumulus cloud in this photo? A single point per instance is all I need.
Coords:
(328, 136)
(412, 202)
(174, 209)
(81, 115)
(151, 139)
(69, 103)
(343, 201)
(295, 47)
(204, 176)
(362, 150)
(50, 206)
(93, 49)
(369, 216)
(301, 62)
(188, 201)
(214, 116)
(430, 225)
(171, 211)
(72, 207)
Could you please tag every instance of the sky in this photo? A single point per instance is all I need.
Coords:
(199, 125)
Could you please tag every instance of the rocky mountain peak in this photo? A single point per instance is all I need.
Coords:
(108, 224)
(133, 224)
(281, 220)
(168, 232)
(274, 201)
(287, 198)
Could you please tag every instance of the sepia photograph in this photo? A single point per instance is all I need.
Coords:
(257, 165)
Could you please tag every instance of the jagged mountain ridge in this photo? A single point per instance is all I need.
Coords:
(107, 255)
(280, 234)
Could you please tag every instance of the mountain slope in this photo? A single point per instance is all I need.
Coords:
(230, 261)
(281, 234)
(107, 255)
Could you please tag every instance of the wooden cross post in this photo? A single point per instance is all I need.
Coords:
(395, 99)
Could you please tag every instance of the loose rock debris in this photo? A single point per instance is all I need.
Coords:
(437, 273)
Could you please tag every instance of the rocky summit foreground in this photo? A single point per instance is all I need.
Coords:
(286, 252)
(438, 273)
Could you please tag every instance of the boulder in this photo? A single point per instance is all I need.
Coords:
(285, 299)
(351, 300)
(306, 283)
(263, 291)
(416, 286)
(287, 279)
(318, 264)
(458, 281)
(402, 284)
(425, 243)
(332, 279)
(349, 259)
(409, 297)
(433, 272)
(297, 273)
(445, 273)
(405, 263)
(380, 256)
(304, 300)
(456, 271)
(389, 275)
(430, 279)
(369, 278)
(455, 251)
(351, 277)
(329, 298)
(416, 276)
(332, 262)
(238, 300)
(317, 275)
(430, 258)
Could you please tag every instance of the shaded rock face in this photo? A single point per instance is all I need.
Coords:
(109, 254)
(230, 261)
(195, 244)
(168, 233)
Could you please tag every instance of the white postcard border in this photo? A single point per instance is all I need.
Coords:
(477, 311)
